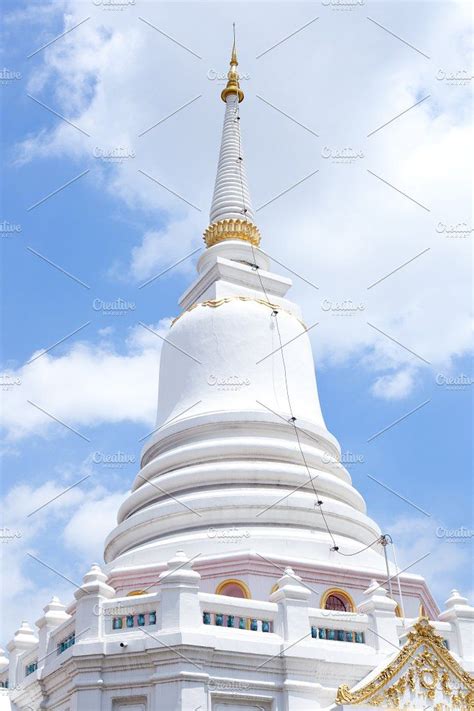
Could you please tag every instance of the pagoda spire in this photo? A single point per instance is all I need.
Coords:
(231, 215)
(233, 86)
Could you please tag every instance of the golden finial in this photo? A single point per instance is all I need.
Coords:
(234, 53)
(233, 86)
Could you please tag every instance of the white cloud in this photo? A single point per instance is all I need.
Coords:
(91, 523)
(343, 228)
(81, 518)
(448, 561)
(161, 249)
(394, 387)
(87, 385)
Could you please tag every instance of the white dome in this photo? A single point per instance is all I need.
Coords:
(233, 343)
(226, 453)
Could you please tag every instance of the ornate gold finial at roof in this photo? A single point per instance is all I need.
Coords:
(233, 86)
(423, 671)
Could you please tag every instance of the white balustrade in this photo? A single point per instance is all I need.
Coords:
(336, 625)
(130, 613)
(238, 613)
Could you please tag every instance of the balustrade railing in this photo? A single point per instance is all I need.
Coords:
(128, 613)
(338, 626)
(61, 639)
(30, 668)
(65, 643)
(237, 613)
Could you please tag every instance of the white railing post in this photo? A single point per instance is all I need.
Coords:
(54, 615)
(461, 616)
(292, 621)
(382, 627)
(90, 596)
(23, 640)
(179, 602)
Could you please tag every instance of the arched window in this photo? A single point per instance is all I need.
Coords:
(336, 599)
(336, 602)
(233, 588)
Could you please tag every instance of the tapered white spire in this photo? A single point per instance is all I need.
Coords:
(231, 215)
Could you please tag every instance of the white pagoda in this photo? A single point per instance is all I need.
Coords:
(244, 573)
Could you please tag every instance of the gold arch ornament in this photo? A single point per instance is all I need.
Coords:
(423, 667)
(233, 581)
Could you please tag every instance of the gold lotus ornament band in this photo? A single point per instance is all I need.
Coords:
(232, 229)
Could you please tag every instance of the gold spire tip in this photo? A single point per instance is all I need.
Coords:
(233, 59)
(233, 86)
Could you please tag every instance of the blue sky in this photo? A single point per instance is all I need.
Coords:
(343, 229)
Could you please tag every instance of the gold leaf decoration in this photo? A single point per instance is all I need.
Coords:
(422, 668)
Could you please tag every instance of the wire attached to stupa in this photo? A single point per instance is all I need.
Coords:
(402, 606)
(292, 420)
(385, 540)
(240, 158)
(319, 502)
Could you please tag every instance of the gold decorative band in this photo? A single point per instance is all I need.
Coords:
(232, 229)
(215, 303)
(422, 667)
(232, 87)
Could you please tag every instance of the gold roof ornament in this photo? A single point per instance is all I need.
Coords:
(423, 674)
(233, 86)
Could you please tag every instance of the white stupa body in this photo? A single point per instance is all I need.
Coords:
(227, 452)
(244, 573)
